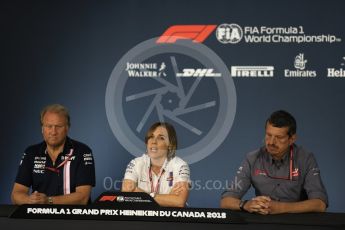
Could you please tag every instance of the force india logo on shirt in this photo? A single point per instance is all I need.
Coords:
(88, 159)
(39, 164)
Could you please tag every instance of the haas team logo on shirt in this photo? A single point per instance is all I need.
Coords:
(260, 172)
(295, 172)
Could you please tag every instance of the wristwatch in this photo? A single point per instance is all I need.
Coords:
(50, 200)
(242, 203)
(152, 194)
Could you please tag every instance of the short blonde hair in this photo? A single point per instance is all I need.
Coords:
(56, 108)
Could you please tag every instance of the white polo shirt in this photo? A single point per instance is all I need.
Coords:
(173, 171)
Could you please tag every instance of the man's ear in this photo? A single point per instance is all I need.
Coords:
(292, 139)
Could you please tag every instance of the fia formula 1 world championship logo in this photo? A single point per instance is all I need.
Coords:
(184, 83)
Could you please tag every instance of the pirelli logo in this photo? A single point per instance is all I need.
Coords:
(252, 71)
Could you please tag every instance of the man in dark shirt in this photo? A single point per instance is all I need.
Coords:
(58, 170)
(286, 177)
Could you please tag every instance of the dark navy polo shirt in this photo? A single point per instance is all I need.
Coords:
(37, 171)
(272, 178)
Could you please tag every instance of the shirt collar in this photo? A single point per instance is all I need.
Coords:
(268, 157)
(148, 162)
(66, 148)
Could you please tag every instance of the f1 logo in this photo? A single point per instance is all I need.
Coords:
(197, 33)
(107, 198)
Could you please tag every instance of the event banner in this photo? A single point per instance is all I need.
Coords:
(99, 212)
(214, 70)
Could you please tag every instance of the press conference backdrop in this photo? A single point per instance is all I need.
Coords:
(107, 62)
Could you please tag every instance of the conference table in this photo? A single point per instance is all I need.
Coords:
(133, 210)
(242, 220)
